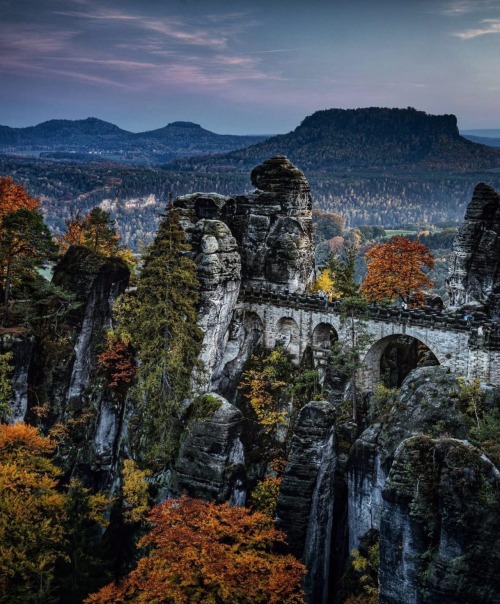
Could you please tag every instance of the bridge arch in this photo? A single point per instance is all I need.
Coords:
(324, 335)
(288, 336)
(391, 359)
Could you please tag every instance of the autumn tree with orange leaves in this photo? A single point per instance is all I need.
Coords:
(14, 196)
(396, 268)
(204, 552)
(96, 231)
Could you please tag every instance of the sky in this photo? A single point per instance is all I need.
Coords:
(246, 66)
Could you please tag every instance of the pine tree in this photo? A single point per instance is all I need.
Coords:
(162, 322)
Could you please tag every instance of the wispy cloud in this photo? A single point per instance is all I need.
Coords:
(459, 8)
(487, 26)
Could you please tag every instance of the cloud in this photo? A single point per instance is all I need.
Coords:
(458, 8)
(489, 26)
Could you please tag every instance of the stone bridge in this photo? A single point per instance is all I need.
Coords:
(299, 321)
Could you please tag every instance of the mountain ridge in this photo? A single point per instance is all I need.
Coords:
(372, 138)
(87, 138)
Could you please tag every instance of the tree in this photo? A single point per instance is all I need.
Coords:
(25, 245)
(14, 197)
(204, 552)
(395, 269)
(327, 225)
(32, 515)
(96, 231)
(6, 369)
(161, 320)
(345, 355)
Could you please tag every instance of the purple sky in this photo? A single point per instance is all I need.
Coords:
(246, 66)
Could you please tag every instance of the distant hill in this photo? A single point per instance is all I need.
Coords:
(91, 138)
(483, 140)
(483, 132)
(374, 139)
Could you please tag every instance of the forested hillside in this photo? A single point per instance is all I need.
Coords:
(135, 195)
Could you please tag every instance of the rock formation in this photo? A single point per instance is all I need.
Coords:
(440, 526)
(262, 238)
(211, 454)
(65, 373)
(474, 275)
(307, 499)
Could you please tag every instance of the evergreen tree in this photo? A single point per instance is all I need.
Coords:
(161, 320)
(346, 353)
(25, 245)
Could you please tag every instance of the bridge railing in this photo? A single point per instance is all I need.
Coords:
(483, 333)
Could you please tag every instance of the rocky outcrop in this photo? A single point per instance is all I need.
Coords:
(96, 282)
(306, 501)
(474, 275)
(264, 238)
(218, 270)
(20, 346)
(273, 226)
(440, 527)
(427, 404)
(211, 458)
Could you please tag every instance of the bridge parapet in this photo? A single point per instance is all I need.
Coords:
(483, 333)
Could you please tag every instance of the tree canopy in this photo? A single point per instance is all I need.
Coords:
(204, 552)
(395, 268)
(25, 245)
(96, 231)
(160, 321)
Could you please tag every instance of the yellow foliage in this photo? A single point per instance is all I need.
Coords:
(135, 492)
(265, 496)
(323, 283)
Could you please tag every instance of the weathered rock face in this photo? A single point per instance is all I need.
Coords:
(273, 226)
(440, 526)
(69, 368)
(306, 501)
(474, 276)
(219, 270)
(211, 457)
(427, 404)
(21, 348)
(97, 282)
(263, 238)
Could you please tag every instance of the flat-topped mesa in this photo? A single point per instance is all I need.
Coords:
(474, 276)
(272, 225)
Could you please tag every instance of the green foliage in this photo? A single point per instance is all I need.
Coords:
(82, 569)
(276, 390)
(25, 246)
(265, 496)
(360, 582)
(471, 399)
(159, 319)
(345, 357)
(202, 407)
(327, 225)
(6, 369)
(382, 400)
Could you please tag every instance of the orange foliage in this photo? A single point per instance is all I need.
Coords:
(97, 231)
(14, 197)
(395, 269)
(204, 552)
(118, 361)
